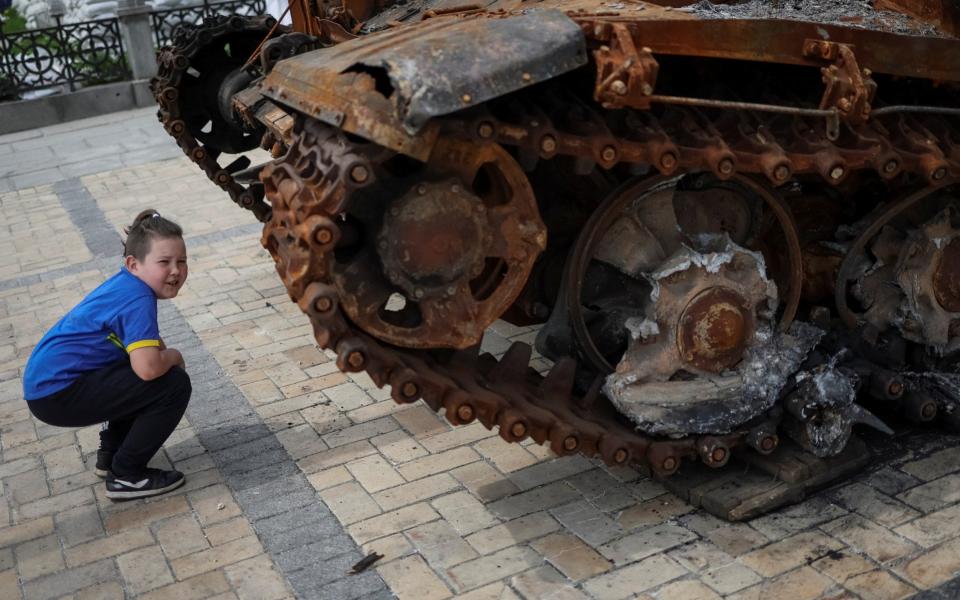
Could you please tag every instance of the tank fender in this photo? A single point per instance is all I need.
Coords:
(475, 60)
(386, 87)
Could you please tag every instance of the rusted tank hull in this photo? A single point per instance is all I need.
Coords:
(730, 225)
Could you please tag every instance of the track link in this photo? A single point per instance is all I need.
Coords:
(174, 63)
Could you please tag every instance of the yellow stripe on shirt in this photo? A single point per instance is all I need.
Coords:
(143, 344)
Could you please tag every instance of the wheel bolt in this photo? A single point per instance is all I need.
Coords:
(548, 144)
(768, 443)
(895, 388)
(669, 463)
(359, 174)
(890, 167)
(356, 359)
(608, 153)
(620, 456)
(323, 235)
(718, 455)
(726, 166)
(410, 389)
(323, 304)
(571, 443)
(465, 413)
(668, 161)
(939, 174)
(485, 130)
(781, 173)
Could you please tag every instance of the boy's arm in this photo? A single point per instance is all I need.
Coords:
(152, 362)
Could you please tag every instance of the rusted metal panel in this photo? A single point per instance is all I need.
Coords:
(433, 69)
(782, 42)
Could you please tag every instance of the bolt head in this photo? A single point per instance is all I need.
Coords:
(465, 412)
(669, 463)
(518, 430)
(485, 130)
(608, 154)
(618, 87)
(323, 235)
(836, 173)
(323, 304)
(548, 143)
(359, 174)
(356, 359)
(570, 443)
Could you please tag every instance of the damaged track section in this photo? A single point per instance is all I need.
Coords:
(310, 189)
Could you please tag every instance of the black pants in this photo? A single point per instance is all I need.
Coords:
(140, 414)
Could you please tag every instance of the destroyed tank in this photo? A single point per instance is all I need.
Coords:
(720, 226)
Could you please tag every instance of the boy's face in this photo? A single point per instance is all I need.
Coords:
(164, 268)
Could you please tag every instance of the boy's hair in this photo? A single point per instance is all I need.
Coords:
(146, 227)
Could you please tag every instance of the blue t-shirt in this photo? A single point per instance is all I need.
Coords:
(113, 320)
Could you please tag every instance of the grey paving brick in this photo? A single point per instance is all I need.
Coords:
(70, 580)
(324, 549)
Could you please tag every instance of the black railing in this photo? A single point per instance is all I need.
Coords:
(165, 22)
(71, 54)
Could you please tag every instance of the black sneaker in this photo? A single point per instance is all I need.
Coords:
(151, 483)
(104, 462)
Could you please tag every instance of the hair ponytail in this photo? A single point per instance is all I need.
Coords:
(147, 226)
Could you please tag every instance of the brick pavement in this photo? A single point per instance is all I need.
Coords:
(295, 469)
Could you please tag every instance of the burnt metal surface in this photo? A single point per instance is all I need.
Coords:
(439, 67)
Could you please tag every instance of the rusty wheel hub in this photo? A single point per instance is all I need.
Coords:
(924, 262)
(714, 329)
(433, 239)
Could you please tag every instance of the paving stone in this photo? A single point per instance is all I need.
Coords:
(505, 457)
(234, 529)
(142, 515)
(730, 578)
(391, 547)
(437, 463)
(842, 565)
(464, 512)
(801, 584)
(874, 505)
(398, 446)
(108, 547)
(196, 588)
(549, 471)
(933, 495)
(699, 555)
(70, 580)
(571, 556)
(936, 566)
(440, 544)
(54, 504)
(687, 590)
(179, 536)
(28, 530)
(588, 522)
(936, 465)
(350, 502)
(879, 544)
(643, 543)
(530, 501)
(789, 553)
(736, 539)
(602, 489)
(215, 557)
(39, 557)
(934, 528)
(421, 489)
(410, 578)
(27, 487)
(374, 473)
(392, 522)
(653, 511)
(144, 570)
(792, 519)
(628, 581)
(257, 579)
(545, 582)
(513, 532)
(879, 585)
(499, 565)
(484, 482)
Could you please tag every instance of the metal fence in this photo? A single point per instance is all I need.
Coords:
(71, 54)
(74, 55)
(165, 22)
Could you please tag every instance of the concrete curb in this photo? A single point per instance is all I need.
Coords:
(60, 108)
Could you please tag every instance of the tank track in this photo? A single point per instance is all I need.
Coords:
(312, 186)
(727, 141)
(309, 188)
(173, 64)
